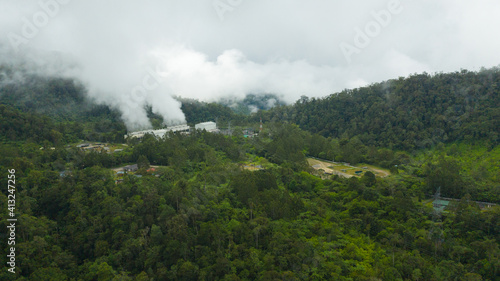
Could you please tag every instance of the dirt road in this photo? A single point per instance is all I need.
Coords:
(343, 169)
(317, 164)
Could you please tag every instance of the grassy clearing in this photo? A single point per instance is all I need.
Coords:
(346, 170)
(378, 171)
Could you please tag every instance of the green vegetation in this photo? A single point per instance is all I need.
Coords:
(252, 103)
(346, 170)
(407, 113)
(197, 112)
(203, 215)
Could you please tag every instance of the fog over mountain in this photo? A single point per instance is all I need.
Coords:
(132, 53)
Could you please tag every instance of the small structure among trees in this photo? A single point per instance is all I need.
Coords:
(131, 168)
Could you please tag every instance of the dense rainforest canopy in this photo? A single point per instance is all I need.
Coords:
(209, 206)
(407, 113)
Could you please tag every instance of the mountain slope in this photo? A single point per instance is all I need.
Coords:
(406, 113)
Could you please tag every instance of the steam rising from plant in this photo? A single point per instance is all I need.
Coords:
(153, 78)
(130, 54)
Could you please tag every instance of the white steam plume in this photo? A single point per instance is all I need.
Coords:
(131, 53)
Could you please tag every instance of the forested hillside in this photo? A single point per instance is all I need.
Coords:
(199, 216)
(252, 103)
(406, 113)
(208, 206)
(197, 112)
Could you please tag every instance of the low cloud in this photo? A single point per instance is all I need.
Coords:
(130, 54)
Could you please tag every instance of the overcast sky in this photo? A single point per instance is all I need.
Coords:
(133, 52)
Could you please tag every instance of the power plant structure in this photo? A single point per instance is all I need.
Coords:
(159, 133)
(183, 129)
(208, 126)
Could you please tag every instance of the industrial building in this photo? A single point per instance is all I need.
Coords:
(159, 133)
(208, 126)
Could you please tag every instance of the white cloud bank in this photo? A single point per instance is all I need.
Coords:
(130, 53)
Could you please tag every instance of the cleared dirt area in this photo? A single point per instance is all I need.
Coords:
(121, 168)
(252, 167)
(326, 167)
(376, 170)
(345, 170)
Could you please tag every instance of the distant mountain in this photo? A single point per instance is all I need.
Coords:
(63, 99)
(406, 113)
(253, 103)
(58, 103)
(197, 111)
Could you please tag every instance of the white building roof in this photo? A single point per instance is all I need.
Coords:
(209, 126)
(158, 133)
